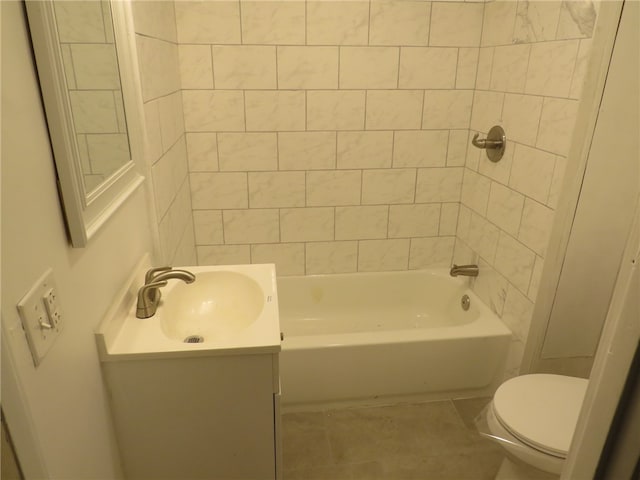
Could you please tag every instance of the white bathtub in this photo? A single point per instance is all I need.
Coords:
(367, 337)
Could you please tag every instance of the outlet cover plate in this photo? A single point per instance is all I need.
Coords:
(41, 316)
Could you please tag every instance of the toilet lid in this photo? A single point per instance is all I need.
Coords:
(542, 410)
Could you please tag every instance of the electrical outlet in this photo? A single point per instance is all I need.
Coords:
(41, 316)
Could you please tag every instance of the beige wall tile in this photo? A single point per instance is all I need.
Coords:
(157, 61)
(306, 224)
(475, 191)
(399, 23)
(155, 19)
(448, 219)
(509, 69)
(218, 190)
(582, 61)
(308, 67)
(95, 66)
(551, 68)
(394, 109)
(325, 188)
(434, 252)
(79, 22)
(171, 119)
(247, 151)
(556, 181)
(456, 24)
(154, 137)
(210, 111)
(447, 109)
(337, 23)
(244, 67)
(514, 261)
(439, 184)
(505, 208)
(223, 255)
(464, 223)
(536, 226)
(251, 226)
(383, 186)
(521, 116)
(536, 21)
(419, 220)
(364, 149)
(202, 152)
(487, 110)
(331, 257)
(275, 111)
(497, 21)
(491, 287)
(207, 226)
(273, 22)
(420, 148)
(532, 172)
(196, 70)
(467, 67)
(536, 276)
(577, 19)
(383, 255)
(457, 148)
(369, 67)
(93, 111)
(353, 223)
(335, 110)
(428, 67)
(517, 314)
(556, 125)
(288, 257)
(208, 22)
(276, 189)
(307, 150)
(483, 237)
(485, 65)
(107, 152)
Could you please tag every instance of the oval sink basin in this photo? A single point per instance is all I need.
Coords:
(218, 305)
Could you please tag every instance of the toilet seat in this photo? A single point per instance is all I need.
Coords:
(541, 410)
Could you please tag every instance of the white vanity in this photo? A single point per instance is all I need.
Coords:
(202, 410)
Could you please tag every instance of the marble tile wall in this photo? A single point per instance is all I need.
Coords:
(531, 67)
(156, 41)
(327, 136)
(86, 38)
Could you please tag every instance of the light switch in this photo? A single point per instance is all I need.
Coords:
(41, 316)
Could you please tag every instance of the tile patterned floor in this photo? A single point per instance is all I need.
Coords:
(423, 441)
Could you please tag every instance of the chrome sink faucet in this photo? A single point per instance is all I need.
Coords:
(149, 294)
(464, 270)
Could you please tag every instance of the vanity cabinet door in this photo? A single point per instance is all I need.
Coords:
(197, 418)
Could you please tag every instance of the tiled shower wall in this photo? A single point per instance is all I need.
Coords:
(155, 26)
(531, 67)
(88, 50)
(327, 136)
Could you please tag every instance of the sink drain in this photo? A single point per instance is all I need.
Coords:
(194, 339)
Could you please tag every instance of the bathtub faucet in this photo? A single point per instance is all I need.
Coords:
(149, 293)
(464, 270)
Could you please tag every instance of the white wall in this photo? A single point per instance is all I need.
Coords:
(64, 397)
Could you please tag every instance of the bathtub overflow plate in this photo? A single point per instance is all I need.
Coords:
(465, 302)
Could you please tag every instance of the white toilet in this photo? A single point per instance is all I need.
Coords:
(534, 416)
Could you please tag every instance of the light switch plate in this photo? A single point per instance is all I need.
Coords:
(41, 316)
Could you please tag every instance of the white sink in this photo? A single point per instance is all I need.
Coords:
(228, 309)
(216, 306)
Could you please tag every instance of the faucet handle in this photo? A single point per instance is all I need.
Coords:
(148, 298)
(148, 277)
